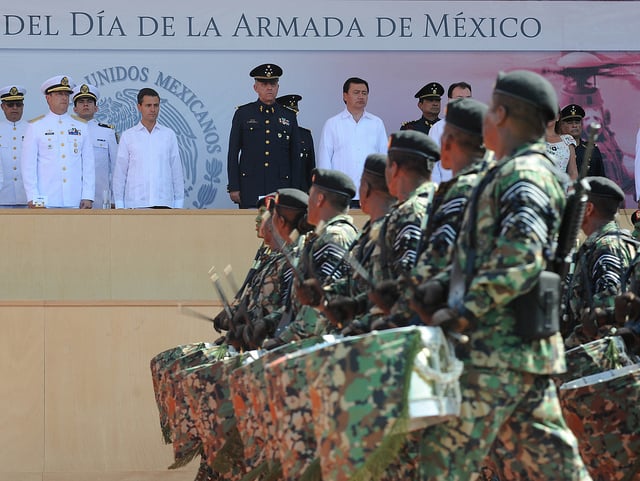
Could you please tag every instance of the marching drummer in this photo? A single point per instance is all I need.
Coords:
(348, 299)
(322, 258)
(509, 402)
(287, 214)
(410, 159)
(222, 321)
(601, 263)
(462, 152)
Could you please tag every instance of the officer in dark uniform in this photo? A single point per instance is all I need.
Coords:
(263, 143)
(429, 98)
(571, 123)
(307, 152)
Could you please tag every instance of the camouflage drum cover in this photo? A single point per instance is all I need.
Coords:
(288, 390)
(185, 439)
(207, 393)
(602, 411)
(359, 391)
(594, 357)
(172, 374)
(251, 404)
(160, 365)
(247, 394)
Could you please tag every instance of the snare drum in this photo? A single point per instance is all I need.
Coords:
(402, 380)
(368, 392)
(251, 403)
(602, 411)
(206, 391)
(246, 385)
(288, 390)
(185, 439)
(160, 367)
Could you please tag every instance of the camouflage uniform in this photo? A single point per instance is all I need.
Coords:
(601, 406)
(321, 257)
(160, 374)
(444, 225)
(262, 255)
(400, 241)
(355, 286)
(602, 261)
(362, 253)
(278, 319)
(264, 294)
(401, 238)
(507, 394)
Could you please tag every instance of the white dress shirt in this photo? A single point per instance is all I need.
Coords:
(148, 170)
(439, 174)
(57, 160)
(12, 190)
(345, 143)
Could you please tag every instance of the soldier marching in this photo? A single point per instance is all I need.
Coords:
(473, 258)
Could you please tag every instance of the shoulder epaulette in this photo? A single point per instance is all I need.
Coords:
(79, 119)
(37, 118)
(244, 105)
(107, 126)
(406, 123)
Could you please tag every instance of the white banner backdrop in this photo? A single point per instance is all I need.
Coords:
(198, 56)
(322, 25)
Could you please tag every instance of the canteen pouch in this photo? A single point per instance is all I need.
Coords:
(537, 312)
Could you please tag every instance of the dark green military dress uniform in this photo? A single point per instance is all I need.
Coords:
(263, 151)
(596, 165)
(307, 152)
(264, 147)
(432, 90)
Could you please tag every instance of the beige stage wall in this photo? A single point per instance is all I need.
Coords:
(86, 300)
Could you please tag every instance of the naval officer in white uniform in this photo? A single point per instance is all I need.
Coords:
(57, 154)
(105, 146)
(12, 195)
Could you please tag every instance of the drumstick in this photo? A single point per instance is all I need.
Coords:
(216, 283)
(187, 311)
(228, 273)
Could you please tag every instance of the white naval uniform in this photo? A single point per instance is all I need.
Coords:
(58, 161)
(105, 150)
(12, 190)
